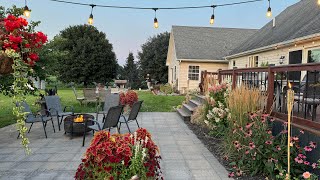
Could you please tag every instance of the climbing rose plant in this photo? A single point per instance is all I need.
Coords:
(121, 157)
(19, 45)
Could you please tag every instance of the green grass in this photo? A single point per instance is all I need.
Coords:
(151, 103)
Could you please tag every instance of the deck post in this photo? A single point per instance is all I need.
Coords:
(270, 92)
(219, 76)
(234, 78)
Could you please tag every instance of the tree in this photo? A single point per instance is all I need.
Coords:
(88, 58)
(131, 71)
(153, 57)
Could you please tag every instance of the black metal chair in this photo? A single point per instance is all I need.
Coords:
(132, 116)
(111, 100)
(54, 107)
(111, 121)
(34, 118)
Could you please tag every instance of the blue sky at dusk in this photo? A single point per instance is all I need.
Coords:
(128, 29)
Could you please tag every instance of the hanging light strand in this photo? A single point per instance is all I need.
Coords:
(212, 16)
(269, 12)
(90, 20)
(155, 21)
(26, 10)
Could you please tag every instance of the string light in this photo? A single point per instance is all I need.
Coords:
(26, 10)
(155, 21)
(319, 2)
(90, 20)
(212, 16)
(269, 12)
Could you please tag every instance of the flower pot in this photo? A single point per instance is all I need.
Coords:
(5, 65)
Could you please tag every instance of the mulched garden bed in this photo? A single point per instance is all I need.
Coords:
(214, 146)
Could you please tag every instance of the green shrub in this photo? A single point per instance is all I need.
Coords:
(166, 88)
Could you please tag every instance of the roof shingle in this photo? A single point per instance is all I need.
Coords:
(206, 42)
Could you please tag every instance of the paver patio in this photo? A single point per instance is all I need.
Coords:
(57, 157)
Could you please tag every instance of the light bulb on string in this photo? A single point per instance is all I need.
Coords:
(318, 1)
(212, 16)
(155, 20)
(90, 20)
(26, 10)
(269, 12)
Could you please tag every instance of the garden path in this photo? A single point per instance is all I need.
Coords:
(57, 157)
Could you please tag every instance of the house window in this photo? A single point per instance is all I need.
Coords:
(253, 61)
(193, 73)
(314, 56)
(234, 63)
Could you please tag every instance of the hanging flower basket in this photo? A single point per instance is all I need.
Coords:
(5, 65)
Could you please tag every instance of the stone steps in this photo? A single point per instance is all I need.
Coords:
(187, 110)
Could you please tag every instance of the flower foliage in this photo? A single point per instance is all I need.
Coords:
(254, 149)
(217, 108)
(15, 36)
(121, 157)
(128, 98)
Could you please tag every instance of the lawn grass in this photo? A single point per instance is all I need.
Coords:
(151, 103)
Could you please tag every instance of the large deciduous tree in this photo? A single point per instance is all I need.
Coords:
(131, 71)
(88, 58)
(153, 57)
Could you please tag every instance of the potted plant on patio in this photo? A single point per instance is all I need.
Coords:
(127, 100)
(18, 54)
(121, 156)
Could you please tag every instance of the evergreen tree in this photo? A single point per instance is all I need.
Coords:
(131, 72)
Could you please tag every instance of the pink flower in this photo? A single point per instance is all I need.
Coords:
(306, 163)
(306, 175)
(313, 144)
(284, 131)
(278, 148)
(302, 131)
(298, 160)
(269, 131)
(230, 175)
(251, 145)
(249, 125)
(307, 148)
(247, 152)
(234, 131)
(295, 138)
(314, 165)
(302, 156)
(268, 142)
(236, 144)
(249, 133)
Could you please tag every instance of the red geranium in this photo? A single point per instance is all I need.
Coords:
(15, 35)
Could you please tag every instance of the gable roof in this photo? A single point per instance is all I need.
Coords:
(207, 43)
(298, 20)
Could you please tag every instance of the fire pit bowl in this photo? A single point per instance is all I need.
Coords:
(70, 126)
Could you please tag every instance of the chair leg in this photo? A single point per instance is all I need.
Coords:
(29, 128)
(118, 129)
(54, 130)
(137, 123)
(58, 122)
(44, 128)
(84, 135)
(128, 127)
(61, 120)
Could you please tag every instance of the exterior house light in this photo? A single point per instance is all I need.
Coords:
(281, 60)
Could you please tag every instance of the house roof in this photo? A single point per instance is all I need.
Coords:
(298, 20)
(206, 42)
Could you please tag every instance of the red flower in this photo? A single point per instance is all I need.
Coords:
(34, 56)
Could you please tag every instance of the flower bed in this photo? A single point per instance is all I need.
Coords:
(121, 157)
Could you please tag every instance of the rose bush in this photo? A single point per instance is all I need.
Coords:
(121, 157)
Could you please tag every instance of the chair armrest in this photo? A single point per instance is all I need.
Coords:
(71, 107)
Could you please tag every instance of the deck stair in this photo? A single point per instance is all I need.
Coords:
(187, 109)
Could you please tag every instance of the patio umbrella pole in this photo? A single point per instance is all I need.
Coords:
(290, 100)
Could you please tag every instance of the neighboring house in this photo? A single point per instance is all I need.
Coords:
(195, 49)
(292, 37)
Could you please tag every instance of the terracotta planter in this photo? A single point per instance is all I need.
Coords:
(5, 65)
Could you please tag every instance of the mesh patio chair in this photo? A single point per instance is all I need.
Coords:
(80, 99)
(132, 116)
(34, 118)
(111, 100)
(54, 107)
(111, 121)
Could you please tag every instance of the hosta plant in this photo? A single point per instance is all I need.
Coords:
(121, 157)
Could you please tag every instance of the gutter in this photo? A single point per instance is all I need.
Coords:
(273, 46)
(204, 60)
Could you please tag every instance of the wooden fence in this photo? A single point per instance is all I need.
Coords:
(274, 80)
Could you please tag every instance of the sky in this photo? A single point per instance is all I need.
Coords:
(128, 29)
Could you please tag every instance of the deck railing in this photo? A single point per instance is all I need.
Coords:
(274, 80)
